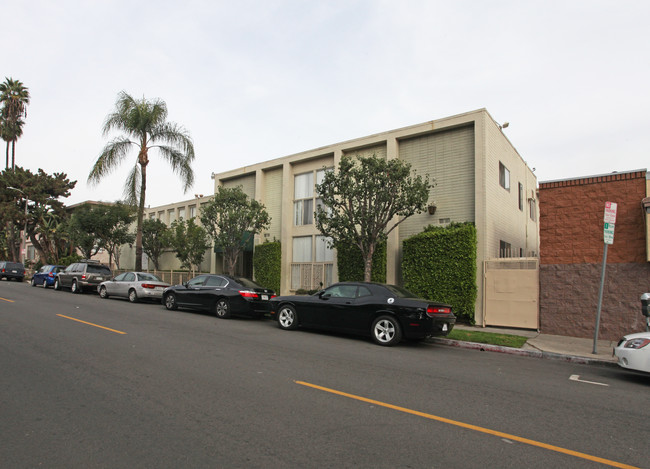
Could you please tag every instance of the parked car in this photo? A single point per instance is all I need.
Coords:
(222, 294)
(385, 312)
(46, 274)
(134, 286)
(633, 352)
(82, 275)
(12, 270)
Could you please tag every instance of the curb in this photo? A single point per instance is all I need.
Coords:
(521, 352)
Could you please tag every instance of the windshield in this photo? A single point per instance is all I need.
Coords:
(151, 277)
(400, 292)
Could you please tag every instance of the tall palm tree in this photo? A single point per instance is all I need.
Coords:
(14, 97)
(145, 126)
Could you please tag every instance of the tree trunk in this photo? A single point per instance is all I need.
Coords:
(7, 157)
(13, 155)
(367, 263)
(39, 249)
(138, 234)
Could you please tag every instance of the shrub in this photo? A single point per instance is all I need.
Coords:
(267, 264)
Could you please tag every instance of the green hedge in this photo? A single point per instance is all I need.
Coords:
(350, 263)
(267, 263)
(440, 264)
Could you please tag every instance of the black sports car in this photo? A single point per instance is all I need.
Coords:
(385, 312)
(222, 294)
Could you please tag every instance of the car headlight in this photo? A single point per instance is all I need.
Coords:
(637, 343)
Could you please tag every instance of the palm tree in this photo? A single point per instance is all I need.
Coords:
(14, 97)
(144, 123)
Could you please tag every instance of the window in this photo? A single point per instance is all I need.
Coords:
(172, 216)
(312, 263)
(181, 212)
(532, 207)
(521, 197)
(505, 249)
(192, 211)
(504, 176)
(304, 191)
(152, 215)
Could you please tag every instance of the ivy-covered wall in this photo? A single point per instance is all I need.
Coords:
(350, 263)
(267, 264)
(440, 264)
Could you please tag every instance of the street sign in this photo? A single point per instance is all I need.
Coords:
(610, 212)
(609, 233)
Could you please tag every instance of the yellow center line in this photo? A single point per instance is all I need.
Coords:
(91, 324)
(472, 427)
(4, 299)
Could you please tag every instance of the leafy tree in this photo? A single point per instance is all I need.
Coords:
(42, 193)
(156, 237)
(363, 197)
(232, 220)
(102, 226)
(14, 97)
(145, 127)
(190, 241)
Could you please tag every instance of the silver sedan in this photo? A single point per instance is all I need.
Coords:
(133, 285)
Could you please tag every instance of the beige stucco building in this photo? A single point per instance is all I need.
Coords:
(480, 177)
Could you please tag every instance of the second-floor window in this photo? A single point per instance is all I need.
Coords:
(504, 176)
(305, 199)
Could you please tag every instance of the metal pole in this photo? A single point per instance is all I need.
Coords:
(25, 232)
(600, 298)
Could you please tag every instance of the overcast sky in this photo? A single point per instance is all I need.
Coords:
(253, 80)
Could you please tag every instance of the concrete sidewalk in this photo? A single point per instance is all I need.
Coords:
(555, 347)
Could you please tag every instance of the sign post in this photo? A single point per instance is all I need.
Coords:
(608, 237)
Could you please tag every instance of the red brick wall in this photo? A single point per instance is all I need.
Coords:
(571, 255)
(571, 219)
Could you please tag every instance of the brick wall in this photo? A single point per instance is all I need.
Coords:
(571, 254)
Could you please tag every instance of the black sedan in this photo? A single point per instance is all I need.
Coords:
(222, 294)
(385, 312)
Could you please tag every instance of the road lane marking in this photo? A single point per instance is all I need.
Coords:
(472, 427)
(91, 324)
(5, 299)
(577, 378)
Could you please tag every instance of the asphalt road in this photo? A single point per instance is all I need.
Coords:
(135, 385)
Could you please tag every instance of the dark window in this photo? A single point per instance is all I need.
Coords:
(504, 176)
(521, 197)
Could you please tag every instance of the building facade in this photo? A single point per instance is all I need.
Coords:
(572, 251)
(479, 177)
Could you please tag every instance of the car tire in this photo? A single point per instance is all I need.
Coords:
(74, 288)
(386, 331)
(222, 309)
(287, 318)
(33, 282)
(57, 284)
(133, 296)
(170, 302)
(103, 293)
(44, 283)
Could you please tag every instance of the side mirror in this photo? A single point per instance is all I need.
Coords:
(324, 296)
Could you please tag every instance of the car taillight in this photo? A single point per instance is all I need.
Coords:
(433, 310)
(50, 275)
(83, 277)
(148, 285)
(248, 294)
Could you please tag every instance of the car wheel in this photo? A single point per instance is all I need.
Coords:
(287, 318)
(44, 283)
(222, 308)
(133, 296)
(74, 287)
(170, 301)
(57, 284)
(386, 331)
(103, 293)
(33, 282)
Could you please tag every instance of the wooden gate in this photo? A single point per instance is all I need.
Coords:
(511, 293)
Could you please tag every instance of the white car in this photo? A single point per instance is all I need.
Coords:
(633, 351)
(133, 285)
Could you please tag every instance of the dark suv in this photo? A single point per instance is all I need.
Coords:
(12, 270)
(82, 275)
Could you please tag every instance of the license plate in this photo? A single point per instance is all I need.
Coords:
(444, 327)
(265, 297)
(14, 271)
